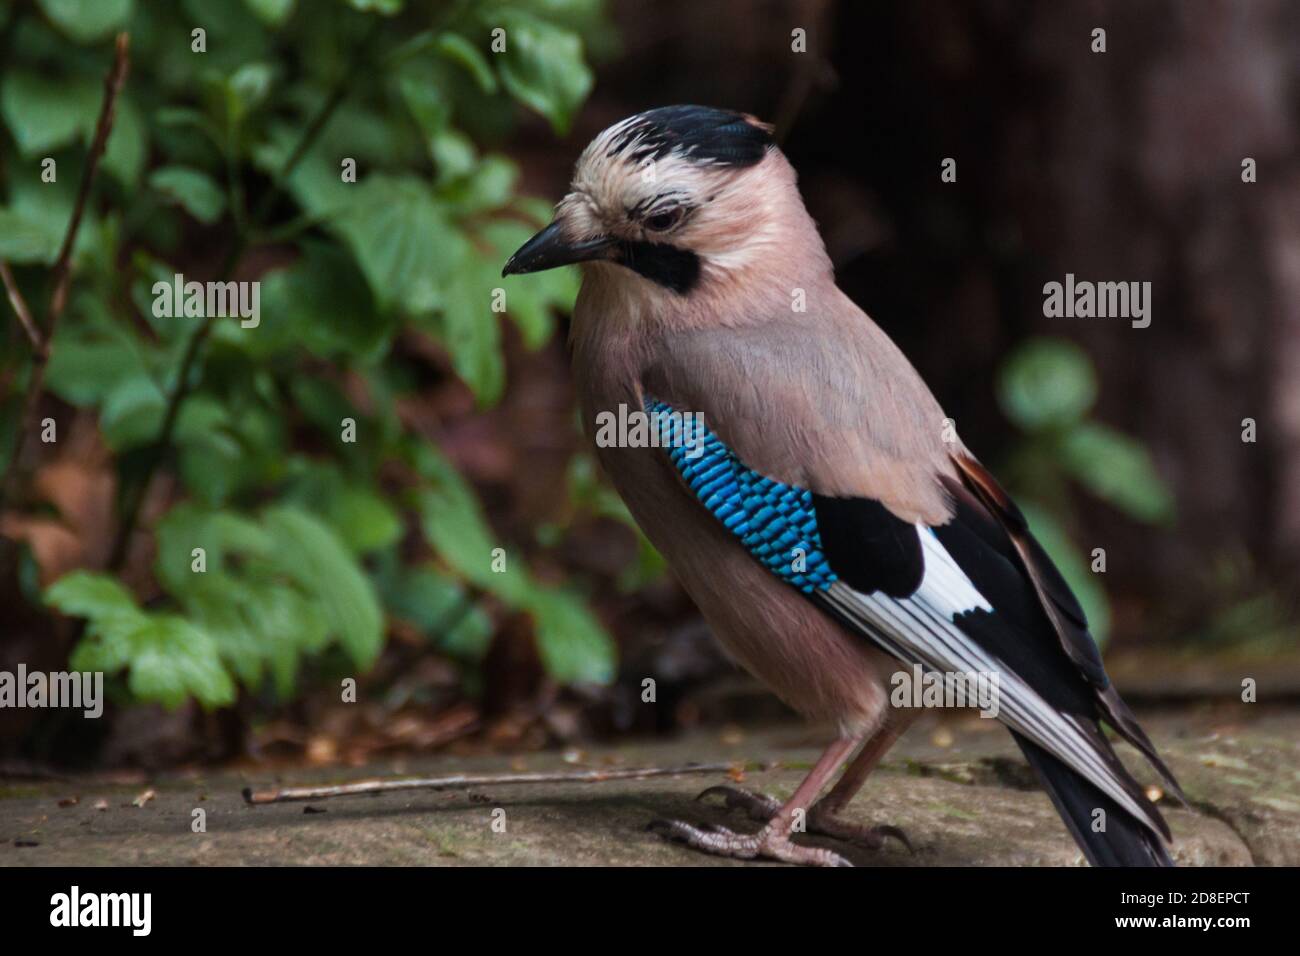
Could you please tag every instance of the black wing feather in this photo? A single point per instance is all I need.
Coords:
(868, 546)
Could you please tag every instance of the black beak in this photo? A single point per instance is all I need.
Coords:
(548, 249)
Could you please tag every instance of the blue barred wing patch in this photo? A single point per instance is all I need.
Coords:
(776, 523)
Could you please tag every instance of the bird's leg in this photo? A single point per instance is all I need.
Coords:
(823, 817)
(773, 840)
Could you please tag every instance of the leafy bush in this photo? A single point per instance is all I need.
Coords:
(287, 538)
(1047, 388)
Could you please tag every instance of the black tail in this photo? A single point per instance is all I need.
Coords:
(1126, 841)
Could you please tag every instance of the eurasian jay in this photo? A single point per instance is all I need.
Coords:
(823, 514)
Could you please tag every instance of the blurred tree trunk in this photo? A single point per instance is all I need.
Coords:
(1142, 150)
(1121, 166)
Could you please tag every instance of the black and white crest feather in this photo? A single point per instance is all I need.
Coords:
(700, 134)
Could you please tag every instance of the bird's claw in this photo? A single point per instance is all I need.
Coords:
(761, 807)
(769, 844)
(870, 837)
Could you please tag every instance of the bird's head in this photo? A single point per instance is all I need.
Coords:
(677, 197)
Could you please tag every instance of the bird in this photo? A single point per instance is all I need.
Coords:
(810, 493)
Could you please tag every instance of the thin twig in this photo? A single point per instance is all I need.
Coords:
(20, 308)
(62, 274)
(458, 781)
(113, 84)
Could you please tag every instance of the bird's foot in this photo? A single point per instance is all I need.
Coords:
(859, 834)
(769, 843)
(763, 808)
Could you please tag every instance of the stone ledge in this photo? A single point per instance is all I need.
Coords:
(958, 787)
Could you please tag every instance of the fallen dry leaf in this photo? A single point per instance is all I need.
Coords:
(321, 749)
(732, 735)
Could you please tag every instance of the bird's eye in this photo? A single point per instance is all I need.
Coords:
(663, 221)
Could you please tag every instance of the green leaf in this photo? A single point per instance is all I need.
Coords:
(235, 36)
(290, 626)
(454, 524)
(172, 660)
(30, 236)
(86, 21)
(128, 143)
(575, 649)
(442, 609)
(88, 594)
(424, 94)
(320, 303)
(132, 413)
(183, 116)
(258, 627)
(488, 185)
(1074, 568)
(39, 214)
(219, 533)
(92, 356)
(271, 589)
(226, 450)
(362, 518)
(168, 658)
(192, 189)
(357, 131)
(461, 51)
(247, 89)
(453, 154)
(403, 241)
(216, 603)
(273, 13)
(471, 331)
(1118, 470)
(532, 299)
(314, 556)
(1047, 382)
(543, 67)
(573, 645)
(385, 8)
(47, 113)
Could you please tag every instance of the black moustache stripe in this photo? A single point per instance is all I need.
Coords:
(671, 267)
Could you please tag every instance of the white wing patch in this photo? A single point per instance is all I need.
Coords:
(920, 629)
(944, 586)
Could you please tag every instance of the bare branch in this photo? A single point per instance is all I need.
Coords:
(20, 308)
(62, 274)
(458, 781)
(113, 84)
